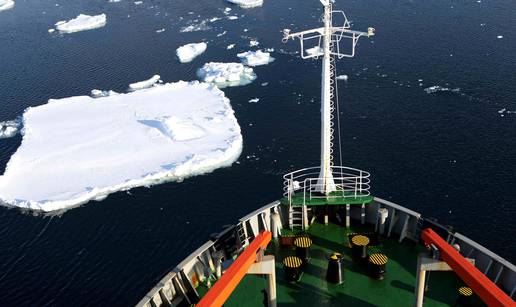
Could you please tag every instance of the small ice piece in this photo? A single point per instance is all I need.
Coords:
(81, 23)
(247, 3)
(114, 1)
(502, 110)
(138, 2)
(160, 30)
(95, 93)
(6, 5)
(221, 34)
(232, 17)
(227, 10)
(9, 128)
(342, 77)
(230, 46)
(253, 43)
(78, 149)
(437, 88)
(255, 58)
(226, 74)
(196, 26)
(188, 52)
(314, 51)
(144, 84)
(214, 19)
(254, 100)
(264, 84)
(499, 36)
(51, 30)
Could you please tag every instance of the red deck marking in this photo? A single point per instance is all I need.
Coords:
(478, 282)
(223, 288)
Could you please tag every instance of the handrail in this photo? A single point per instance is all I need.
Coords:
(350, 183)
(478, 282)
(223, 288)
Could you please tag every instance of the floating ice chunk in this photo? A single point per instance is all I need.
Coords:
(502, 110)
(113, 1)
(232, 17)
(6, 5)
(81, 23)
(437, 88)
(99, 93)
(160, 30)
(255, 58)
(247, 3)
(342, 77)
(196, 26)
(144, 84)
(51, 30)
(499, 36)
(221, 34)
(138, 2)
(231, 46)
(253, 43)
(227, 10)
(9, 128)
(226, 74)
(254, 100)
(77, 149)
(314, 51)
(188, 52)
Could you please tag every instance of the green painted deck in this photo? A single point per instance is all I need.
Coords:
(358, 289)
(335, 198)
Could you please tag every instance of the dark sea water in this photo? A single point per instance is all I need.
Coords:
(450, 154)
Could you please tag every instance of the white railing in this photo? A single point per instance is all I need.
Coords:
(349, 183)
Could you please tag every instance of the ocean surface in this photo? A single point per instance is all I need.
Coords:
(450, 153)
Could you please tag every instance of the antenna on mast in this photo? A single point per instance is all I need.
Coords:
(330, 37)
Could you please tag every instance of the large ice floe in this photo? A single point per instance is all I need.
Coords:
(81, 23)
(255, 58)
(189, 52)
(6, 5)
(247, 3)
(80, 148)
(226, 74)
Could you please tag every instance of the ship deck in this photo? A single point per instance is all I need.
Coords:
(358, 289)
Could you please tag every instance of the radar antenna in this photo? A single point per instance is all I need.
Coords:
(331, 38)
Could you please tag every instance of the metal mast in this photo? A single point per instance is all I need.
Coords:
(330, 37)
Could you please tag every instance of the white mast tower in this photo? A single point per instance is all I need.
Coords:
(330, 37)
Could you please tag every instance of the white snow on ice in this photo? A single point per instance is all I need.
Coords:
(247, 3)
(255, 58)
(6, 5)
(78, 149)
(144, 84)
(81, 23)
(226, 74)
(189, 52)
